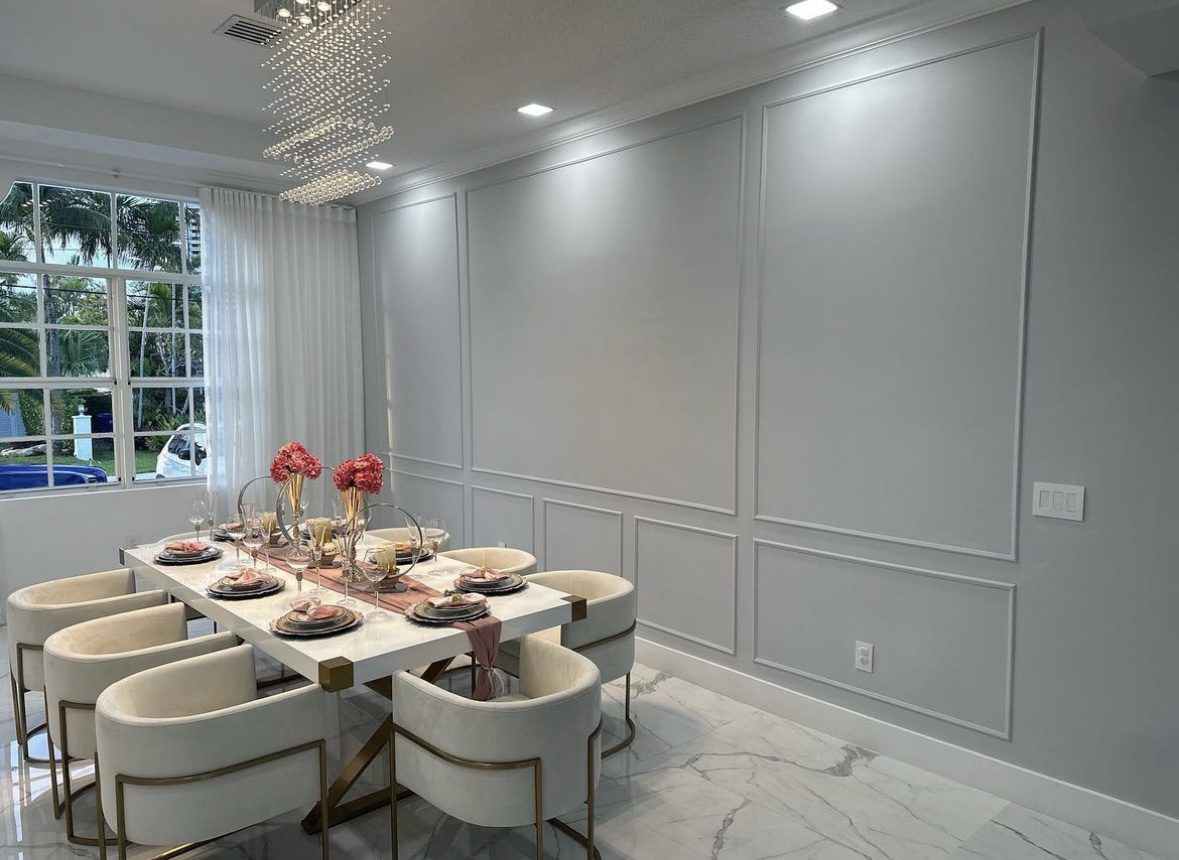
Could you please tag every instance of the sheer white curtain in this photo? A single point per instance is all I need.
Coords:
(282, 325)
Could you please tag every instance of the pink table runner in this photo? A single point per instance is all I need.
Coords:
(484, 633)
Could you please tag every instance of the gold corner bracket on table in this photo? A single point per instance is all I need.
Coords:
(336, 674)
(580, 609)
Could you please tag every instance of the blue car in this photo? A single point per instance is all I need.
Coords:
(23, 477)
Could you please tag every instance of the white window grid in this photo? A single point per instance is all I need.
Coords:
(120, 381)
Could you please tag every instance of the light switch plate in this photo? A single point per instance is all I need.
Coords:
(1060, 501)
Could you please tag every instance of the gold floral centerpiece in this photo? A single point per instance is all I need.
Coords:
(356, 479)
(291, 466)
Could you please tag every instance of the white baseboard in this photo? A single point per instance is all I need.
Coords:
(1134, 825)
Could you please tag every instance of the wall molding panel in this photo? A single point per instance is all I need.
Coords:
(711, 168)
(505, 499)
(584, 547)
(446, 499)
(1005, 638)
(795, 465)
(669, 570)
(421, 290)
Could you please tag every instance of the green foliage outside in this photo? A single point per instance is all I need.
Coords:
(150, 238)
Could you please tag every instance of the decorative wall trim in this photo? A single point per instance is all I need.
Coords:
(406, 457)
(741, 117)
(491, 490)
(446, 482)
(1003, 733)
(1010, 554)
(377, 303)
(731, 648)
(544, 507)
(1143, 828)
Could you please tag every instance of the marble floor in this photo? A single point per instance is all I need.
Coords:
(707, 777)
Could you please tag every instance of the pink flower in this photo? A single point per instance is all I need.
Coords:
(293, 458)
(366, 473)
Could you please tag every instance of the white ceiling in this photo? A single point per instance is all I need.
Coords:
(459, 68)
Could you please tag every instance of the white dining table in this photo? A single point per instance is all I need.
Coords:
(378, 648)
(367, 655)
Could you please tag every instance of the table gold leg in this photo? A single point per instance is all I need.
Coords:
(339, 810)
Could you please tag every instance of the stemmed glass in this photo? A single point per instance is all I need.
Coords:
(299, 558)
(315, 551)
(433, 530)
(374, 572)
(255, 537)
(198, 515)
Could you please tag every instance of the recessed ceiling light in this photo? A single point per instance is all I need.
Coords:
(534, 109)
(379, 165)
(808, 9)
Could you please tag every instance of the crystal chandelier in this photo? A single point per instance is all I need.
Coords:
(327, 65)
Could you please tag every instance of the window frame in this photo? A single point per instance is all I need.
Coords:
(119, 381)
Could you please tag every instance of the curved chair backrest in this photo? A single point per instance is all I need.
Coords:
(556, 725)
(606, 634)
(199, 718)
(402, 535)
(38, 611)
(501, 558)
(83, 660)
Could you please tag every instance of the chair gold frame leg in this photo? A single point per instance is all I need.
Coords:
(21, 716)
(631, 728)
(587, 841)
(122, 780)
(69, 794)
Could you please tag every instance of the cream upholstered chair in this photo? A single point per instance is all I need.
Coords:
(606, 635)
(520, 759)
(501, 558)
(38, 611)
(187, 753)
(83, 660)
(401, 535)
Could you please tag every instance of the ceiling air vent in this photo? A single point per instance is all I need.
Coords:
(248, 29)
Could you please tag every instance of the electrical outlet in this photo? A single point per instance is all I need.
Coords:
(865, 656)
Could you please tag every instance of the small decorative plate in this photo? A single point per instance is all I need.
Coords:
(514, 582)
(427, 614)
(283, 626)
(220, 592)
(210, 554)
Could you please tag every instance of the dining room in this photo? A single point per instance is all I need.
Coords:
(529, 429)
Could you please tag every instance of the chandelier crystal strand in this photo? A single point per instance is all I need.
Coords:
(328, 89)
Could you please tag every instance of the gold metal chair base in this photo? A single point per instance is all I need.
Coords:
(534, 764)
(631, 728)
(20, 713)
(577, 837)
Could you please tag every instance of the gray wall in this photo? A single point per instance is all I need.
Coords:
(797, 354)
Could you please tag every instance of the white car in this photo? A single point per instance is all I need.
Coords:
(173, 461)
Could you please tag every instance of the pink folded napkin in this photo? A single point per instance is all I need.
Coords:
(304, 604)
(444, 601)
(246, 575)
(486, 574)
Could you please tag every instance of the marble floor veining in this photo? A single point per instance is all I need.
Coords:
(707, 778)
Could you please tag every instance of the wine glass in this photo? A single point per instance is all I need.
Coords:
(299, 559)
(433, 530)
(198, 515)
(255, 537)
(374, 572)
(315, 552)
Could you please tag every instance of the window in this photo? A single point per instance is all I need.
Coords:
(101, 343)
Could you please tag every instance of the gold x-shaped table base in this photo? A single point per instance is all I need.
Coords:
(340, 810)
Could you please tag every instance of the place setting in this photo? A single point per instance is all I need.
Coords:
(486, 580)
(245, 584)
(449, 608)
(182, 552)
(310, 618)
